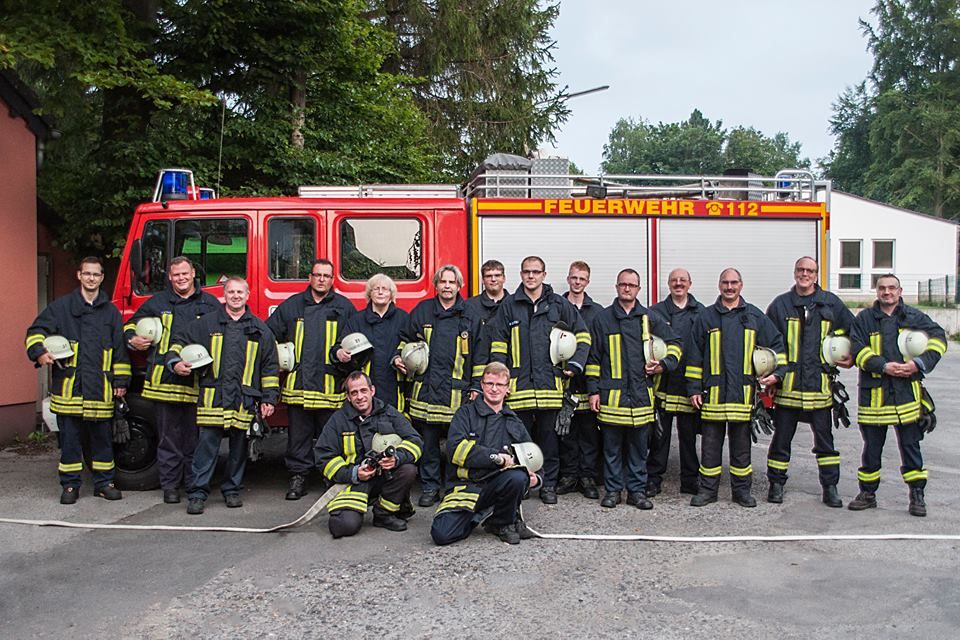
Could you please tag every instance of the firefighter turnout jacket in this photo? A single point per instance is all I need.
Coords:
(578, 384)
(244, 370)
(83, 385)
(804, 322)
(671, 386)
(477, 433)
(615, 369)
(720, 359)
(456, 360)
(384, 334)
(314, 329)
(175, 313)
(886, 399)
(482, 306)
(345, 441)
(520, 339)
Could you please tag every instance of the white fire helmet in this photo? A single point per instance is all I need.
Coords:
(383, 440)
(151, 328)
(912, 343)
(196, 355)
(58, 347)
(563, 344)
(834, 349)
(659, 349)
(286, 355)
(416, 357)
(354, 343)
(764, 361)
(529, 455)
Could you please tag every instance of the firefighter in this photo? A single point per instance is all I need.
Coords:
(346, 453)
(520, 338)
(240, 380)
(484, 481)
(580, 448)
(86, 381)
(620, 384)
(486, 303)
(381, 322)
(806, 316)
(174, 397)
(452, 374)
(721, 384)
(312, 321)
(891, 389)
(680, 310)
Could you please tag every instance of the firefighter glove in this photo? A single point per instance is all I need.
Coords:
(121, 428)
(565, 417)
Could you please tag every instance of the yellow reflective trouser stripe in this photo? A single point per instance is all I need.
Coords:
(826, 461)
(515, 345)
(392, 507)
(349, 498)
(616, 364)
(101, 466)
(250, 363)
(216, 346)
(75, 467)
(349, 447)
(916, 474)
(459, 498)
(460, 454)
(868, 476)
(741, 471)
(749, 342)
(779, 465)
(710, 471)
(714, 352)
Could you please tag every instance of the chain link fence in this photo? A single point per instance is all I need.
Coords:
(940, 292)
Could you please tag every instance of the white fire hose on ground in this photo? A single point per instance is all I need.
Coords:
(332, 492)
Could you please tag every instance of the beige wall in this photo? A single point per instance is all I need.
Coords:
(18, 270)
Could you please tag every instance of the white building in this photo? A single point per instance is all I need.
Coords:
(869, 239)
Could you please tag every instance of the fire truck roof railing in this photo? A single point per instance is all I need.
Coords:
(382, 191)
(798, 185)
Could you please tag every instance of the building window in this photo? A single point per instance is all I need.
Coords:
(850, 281)
(850, 254)
(293, 247)
(883, 254)
(393, 246)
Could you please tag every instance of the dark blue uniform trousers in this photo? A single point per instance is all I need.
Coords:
(503, 492)
(205, 461)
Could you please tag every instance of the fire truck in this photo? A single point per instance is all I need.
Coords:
(510, 208)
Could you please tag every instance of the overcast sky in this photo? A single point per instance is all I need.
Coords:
(775, 66)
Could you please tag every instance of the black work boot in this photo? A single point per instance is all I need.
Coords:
(639, 500)
(831, 497)
(744, 499)
(566, 485)
(775, 493)
(108, 492)
(610, 499)
(864, 500)
(389, 521)
(297, 487)
(589, 488)
(917, 505)
(69, 495)
(506, 532)
(703, 498)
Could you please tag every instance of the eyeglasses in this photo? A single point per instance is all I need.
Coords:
(90, 274)
(627, 285)
(495, 385)
(322, 276)
(531, 272)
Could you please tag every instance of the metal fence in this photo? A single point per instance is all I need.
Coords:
(938, 291)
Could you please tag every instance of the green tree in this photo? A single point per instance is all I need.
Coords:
(483, 73)
(696, 146)
(902, 133)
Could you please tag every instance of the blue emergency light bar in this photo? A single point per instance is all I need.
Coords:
(174, 184)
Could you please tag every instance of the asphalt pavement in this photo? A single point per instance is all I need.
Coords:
(79, 583)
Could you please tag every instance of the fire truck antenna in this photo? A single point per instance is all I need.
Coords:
(223, 113)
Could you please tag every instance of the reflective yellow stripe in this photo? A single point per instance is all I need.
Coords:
(937, 345)
(333, 466)
(498, 346)
(793, 339)
(216, 346)
(583, 337)
(916, 474)
(412, 448)
(710, 471)
(515, 345)
(101, 466)
(75, 467)
(827, 461)
(166, 319)
(349, 447)
(868, 476)
(460, 454)
(740, 472)
(694, 373)
(616, 364)
(250, 363)
(779, 465)
(298, 338)
(749, 343)
(593, 370)
(329, 382)
(36, 338)
(714, 349)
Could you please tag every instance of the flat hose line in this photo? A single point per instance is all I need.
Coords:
(332, 492)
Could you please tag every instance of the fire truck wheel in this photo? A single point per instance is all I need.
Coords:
(136, 460)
